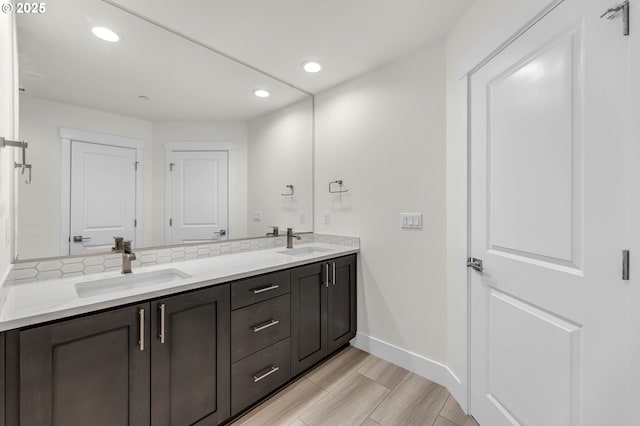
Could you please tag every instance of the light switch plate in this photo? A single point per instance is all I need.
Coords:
(327, 218)
(257, 215)
(411, 220)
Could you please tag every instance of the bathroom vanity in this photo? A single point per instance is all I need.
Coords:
(199, 349)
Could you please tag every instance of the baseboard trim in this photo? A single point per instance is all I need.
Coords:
(418, 364)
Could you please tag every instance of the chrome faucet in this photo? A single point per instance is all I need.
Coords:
(290, 237)
(275, 233)
(127, 257)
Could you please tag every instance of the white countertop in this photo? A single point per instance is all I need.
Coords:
(42, 301)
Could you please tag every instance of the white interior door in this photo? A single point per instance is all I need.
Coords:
(198, 196)
(103, 196)
(548, 313)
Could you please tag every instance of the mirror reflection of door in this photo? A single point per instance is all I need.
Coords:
(197, 196)
(103, 196)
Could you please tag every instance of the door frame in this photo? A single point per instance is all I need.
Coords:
(512, 27)
(186, 146)
(67, 135)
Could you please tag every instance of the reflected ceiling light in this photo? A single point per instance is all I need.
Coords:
(312, 66)
(105, 34)
(261, 93)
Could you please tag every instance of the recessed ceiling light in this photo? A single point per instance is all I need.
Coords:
(105, 34)
(312, 66)
(261, 93)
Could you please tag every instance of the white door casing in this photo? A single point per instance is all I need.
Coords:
(548, 313)
(103, 196)
(197, 196)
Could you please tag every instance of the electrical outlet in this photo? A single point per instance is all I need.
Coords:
(257, 215)
(327, 217)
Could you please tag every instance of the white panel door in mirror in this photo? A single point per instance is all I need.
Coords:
(534, 179)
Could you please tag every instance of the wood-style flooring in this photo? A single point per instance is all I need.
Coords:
(356, 388)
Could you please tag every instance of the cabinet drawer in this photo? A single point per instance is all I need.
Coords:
(254, 290)
(258, 326)
(257, 375)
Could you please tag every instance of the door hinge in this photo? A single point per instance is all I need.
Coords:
(625, 265)
(135, 223)
(170, 222)
(614, 11)
(171, 166)
(135, 165)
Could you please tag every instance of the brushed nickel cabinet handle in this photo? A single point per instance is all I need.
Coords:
(334, 273)
(161, 335)
(141, 318)
(265, 325)
(272, 370)
(326, 274)
(263, 289)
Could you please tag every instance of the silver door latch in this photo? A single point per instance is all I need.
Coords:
(474, 263)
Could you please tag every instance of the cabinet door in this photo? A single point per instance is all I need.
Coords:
(87, 371)
(341, 305)
(308, 316)
(190, 371)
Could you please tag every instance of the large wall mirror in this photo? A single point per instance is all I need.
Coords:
(154, 138)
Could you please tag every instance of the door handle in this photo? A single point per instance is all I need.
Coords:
(80, 238)
(474, 263)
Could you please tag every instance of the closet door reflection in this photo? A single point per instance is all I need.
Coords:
(197, 196)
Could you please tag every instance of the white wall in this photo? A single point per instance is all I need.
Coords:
(483, 28)
(202, 131)
(280, 152)
(8, 130)
(384, 135)
(40, 202)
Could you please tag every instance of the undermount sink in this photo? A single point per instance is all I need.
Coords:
(128, 282)
(304, 251)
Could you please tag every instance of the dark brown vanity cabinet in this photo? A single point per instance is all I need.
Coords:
(260, 346)
(161, 363)
(323, 310)
(93, 370)
(190, 358)
(195, 358)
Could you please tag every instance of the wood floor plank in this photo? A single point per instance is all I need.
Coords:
(415, 401)
(383, 372)
(285, 407)
(452, 412)
(441, 421)
(470, 422)
(350, 403)
(333, 372)
(370, 422)
(297, 422)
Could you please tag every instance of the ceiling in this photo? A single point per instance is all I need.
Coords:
(61, 60)
(349, 37)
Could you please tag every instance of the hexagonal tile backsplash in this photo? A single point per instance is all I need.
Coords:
(46, 269)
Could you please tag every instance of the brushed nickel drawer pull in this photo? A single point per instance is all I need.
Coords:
(256, 379)
(265, 325)
(141, 318)
(263, 289)
(326, 274)
(334, 273)
(161, 336)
